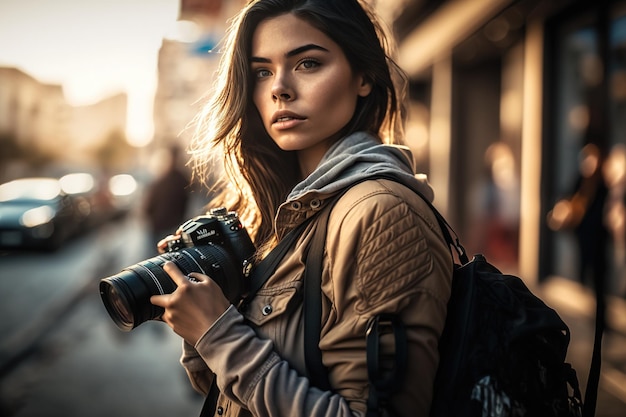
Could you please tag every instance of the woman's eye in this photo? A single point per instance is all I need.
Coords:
(262, 73)
(309, 64)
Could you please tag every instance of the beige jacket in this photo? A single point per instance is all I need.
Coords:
(384, 253)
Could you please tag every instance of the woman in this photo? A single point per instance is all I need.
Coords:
(306, 100)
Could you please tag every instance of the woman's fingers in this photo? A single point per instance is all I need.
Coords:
(175, 273)
(179, 278)
(194, 306)
(162, 244)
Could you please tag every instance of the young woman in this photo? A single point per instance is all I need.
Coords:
(306, 107)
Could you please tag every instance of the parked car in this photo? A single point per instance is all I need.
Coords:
(37, 213)
(92, 195)
(101, 198)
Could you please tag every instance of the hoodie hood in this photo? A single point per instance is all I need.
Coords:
(356, 158)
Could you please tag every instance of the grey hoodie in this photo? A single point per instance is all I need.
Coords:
(357, 157)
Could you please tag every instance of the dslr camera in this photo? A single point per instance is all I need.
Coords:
(215, 244)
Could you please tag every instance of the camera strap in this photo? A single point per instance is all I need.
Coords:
(261, 273)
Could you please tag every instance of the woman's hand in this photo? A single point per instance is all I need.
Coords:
(162, 244)
(194, 306)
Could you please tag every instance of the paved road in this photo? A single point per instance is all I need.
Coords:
(86, 367)
(61, 355)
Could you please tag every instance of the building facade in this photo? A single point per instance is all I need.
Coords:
(186, 68)
(36, 118)
(33, 113)
(505, 98)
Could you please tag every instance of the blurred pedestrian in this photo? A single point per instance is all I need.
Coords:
(584, 214)
(615, 176)
(167, 198)
(591, 231)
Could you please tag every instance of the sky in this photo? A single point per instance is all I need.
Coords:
(93, 48)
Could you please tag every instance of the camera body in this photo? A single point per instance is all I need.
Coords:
(215, 244)
(218, 227)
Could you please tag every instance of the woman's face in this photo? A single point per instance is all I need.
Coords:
(305, 90)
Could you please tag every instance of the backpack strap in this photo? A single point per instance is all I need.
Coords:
(593, 380)
(383, 382)
(312, 304)
(210, 402)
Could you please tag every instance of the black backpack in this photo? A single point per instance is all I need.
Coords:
(502, 351)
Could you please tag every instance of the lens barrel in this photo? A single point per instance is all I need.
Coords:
(126, 295)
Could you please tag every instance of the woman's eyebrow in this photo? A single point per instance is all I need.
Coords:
(305, 48)
(293, 52)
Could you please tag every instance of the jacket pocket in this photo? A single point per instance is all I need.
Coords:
(274, 302)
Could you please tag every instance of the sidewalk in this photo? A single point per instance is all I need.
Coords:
(576, 306)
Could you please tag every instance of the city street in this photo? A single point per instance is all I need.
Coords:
(61, 354)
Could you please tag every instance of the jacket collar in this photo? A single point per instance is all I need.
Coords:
(350, 160)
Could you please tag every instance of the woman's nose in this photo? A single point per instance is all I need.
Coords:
(281, 89)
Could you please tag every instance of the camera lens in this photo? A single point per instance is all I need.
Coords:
(126, 295)
(117, 304)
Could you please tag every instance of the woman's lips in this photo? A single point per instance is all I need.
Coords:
(286, 120)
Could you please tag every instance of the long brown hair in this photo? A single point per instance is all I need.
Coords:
(260, 175)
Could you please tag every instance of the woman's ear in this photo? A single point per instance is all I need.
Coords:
(365, 86)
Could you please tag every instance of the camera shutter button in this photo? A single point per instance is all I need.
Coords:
(266, 310)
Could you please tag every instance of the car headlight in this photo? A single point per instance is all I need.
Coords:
(37, 216)
(122, 185)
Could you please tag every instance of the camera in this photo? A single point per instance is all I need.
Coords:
(215, 244)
